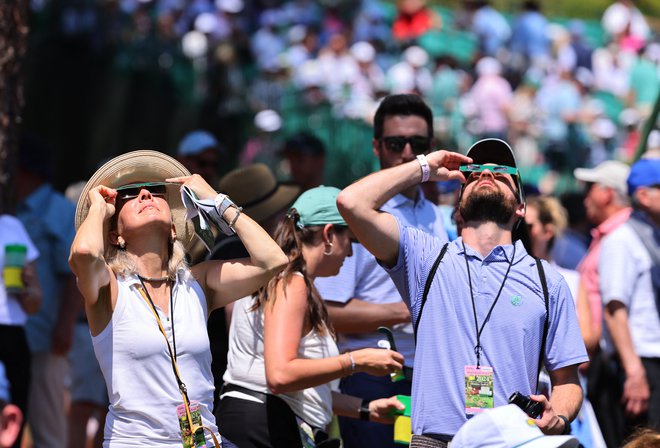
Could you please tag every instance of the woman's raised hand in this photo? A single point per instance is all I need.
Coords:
(103, 197)
(377, 361)
(197, 184)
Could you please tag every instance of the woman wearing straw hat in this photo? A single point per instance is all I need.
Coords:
(146, 309)
(283, 358)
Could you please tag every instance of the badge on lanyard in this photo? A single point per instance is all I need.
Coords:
(191, 440)
(479, 379)
(478, 389)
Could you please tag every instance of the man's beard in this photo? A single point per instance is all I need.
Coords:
(488, 205)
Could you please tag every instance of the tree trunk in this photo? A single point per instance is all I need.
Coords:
(13, 41)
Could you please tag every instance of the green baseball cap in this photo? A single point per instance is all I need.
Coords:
(318, 206)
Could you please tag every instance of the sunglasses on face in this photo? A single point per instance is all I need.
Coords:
(397, 143)
(496, 169)
(130, 191)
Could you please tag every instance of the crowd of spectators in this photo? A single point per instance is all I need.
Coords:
(565, 93)
(295, 84)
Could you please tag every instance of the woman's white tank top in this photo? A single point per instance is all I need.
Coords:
(245, 363)
(138, 373)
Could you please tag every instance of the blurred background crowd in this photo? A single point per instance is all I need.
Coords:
(103, 77)
(294, 84)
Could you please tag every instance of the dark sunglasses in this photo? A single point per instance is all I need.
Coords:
(130, 191)
(396, 143)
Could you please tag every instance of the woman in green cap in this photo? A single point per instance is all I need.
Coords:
(283, 362)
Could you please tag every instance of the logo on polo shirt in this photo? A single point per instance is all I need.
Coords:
(516, 300)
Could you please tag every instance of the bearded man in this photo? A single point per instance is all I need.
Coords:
(492, 314)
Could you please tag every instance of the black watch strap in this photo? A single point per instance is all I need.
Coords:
(364, 410)
(567, 425)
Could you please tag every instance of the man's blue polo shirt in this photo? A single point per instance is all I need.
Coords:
(511, 339)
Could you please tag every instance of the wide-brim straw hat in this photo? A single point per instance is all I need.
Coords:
(141, 166)
(256, 189)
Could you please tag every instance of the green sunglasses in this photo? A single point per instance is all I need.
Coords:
(130, 191)
(500, 169)
(497, 169)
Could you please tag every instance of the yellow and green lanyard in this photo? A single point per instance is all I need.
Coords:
(182, 387)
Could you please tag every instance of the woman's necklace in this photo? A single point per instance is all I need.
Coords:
(154, 279)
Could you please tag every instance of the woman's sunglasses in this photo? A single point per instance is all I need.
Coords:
(396, 143)
(130, 191)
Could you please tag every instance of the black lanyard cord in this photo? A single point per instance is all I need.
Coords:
(478, 331)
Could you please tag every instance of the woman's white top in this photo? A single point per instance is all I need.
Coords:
(138, 372)
(245, 364)
(13, 232)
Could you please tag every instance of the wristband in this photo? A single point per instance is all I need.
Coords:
(365, 414)
(567, 425)
(424, 165)
(222, 203)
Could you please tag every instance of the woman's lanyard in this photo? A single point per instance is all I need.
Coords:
(182, 387)
(147, 297)
(153, 308)
(478, 349)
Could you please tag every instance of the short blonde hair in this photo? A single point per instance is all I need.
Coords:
(550, 212)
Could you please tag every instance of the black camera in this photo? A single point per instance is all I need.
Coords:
(531, 407)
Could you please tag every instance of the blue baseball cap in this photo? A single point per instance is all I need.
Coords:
(195, 142)
(318, 206)
(644, 173)
(448, 186)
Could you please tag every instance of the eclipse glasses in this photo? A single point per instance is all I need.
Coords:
(130, 191)
(496, 169)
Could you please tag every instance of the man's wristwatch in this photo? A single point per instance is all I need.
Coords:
(364, 410)
(567, 425)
